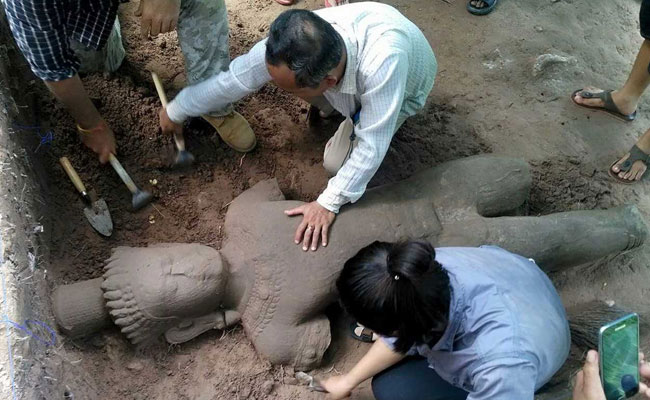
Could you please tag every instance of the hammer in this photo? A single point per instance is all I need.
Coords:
(140, 197)
(183, 158)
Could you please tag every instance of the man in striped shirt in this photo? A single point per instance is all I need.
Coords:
(49, 33)
(364, 60)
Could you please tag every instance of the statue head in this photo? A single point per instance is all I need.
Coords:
(150, 290)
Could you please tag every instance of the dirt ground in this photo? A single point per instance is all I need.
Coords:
(488, 98)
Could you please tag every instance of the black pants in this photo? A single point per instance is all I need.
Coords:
(412, 379)
(644, 19)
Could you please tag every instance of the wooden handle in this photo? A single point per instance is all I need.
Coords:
(123, 174)
(160, 89)
(178, 138)
(72, 174)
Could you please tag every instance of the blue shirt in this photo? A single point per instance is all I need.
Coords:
(507, 333)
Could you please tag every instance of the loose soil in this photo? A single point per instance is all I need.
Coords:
(486, 100)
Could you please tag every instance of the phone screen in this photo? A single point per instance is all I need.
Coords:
(619, 357)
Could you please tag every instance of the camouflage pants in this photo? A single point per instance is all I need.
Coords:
(203, 36)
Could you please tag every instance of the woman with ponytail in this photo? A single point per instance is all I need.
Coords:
(454, 323)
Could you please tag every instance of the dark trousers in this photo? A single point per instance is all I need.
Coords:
(412, 379)
(644, 19)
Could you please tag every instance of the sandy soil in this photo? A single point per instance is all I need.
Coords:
(487, 98)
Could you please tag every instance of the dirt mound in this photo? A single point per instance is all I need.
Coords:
(566, 184)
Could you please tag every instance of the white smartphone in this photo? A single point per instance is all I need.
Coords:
(618, 347)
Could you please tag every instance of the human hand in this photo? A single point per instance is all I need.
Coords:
(315, 224)
(168, 126)
(158, 16)
(338, 387)
(99, 139)
(588, 385)
(644, 371)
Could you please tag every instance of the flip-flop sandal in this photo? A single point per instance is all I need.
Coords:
(636, 154)
(610, 107)
(285, 2)
(483, 10)
(362, 333)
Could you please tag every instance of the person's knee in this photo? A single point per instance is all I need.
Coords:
(381, 389)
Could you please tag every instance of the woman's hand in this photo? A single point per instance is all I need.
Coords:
(339, 387)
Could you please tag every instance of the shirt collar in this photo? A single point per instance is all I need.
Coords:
(348, 84)
(456, 305)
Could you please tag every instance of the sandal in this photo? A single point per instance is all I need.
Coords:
(636, 154)
(610, 107)
(362, 333)
(285, 2)
(483, 10)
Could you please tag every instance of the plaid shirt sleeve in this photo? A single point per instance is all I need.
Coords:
(43, 30)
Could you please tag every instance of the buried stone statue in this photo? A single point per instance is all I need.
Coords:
(279, 292)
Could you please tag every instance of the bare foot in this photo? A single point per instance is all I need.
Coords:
(634, 174)
(478, 4)
(625, 106)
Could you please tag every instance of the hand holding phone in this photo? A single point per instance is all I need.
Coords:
(588, 385)
(618, 347)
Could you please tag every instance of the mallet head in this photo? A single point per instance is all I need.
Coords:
(140, 199)
(183, 159)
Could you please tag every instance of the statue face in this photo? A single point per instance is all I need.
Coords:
(179, 282)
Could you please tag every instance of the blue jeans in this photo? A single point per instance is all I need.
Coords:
(412, 379)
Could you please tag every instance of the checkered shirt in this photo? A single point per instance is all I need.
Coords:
(43, 30)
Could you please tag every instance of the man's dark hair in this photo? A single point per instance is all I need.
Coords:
(398, 290)
(306, 43)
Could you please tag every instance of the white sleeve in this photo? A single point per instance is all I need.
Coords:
(381, 103)
(246, 74)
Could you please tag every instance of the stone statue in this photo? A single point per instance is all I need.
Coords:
(278, 291)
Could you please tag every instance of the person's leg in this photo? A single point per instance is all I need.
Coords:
(412, 379)
(638, 168)
(203, 36)
(627, 98)
(109, 58)
(340, 146)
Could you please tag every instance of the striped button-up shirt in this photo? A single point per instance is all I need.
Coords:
(390, 71)
(43, 30)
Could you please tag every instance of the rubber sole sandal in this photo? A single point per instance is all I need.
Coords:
(362, 333)
(483, 10)
(285, 2)
(610, 107)
(636, 154)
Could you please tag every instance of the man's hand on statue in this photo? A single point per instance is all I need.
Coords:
(338, 387)
(168, 126)
(99, 139)
(314, 226)
(158, 16)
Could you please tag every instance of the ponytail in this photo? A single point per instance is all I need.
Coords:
(399, 290)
